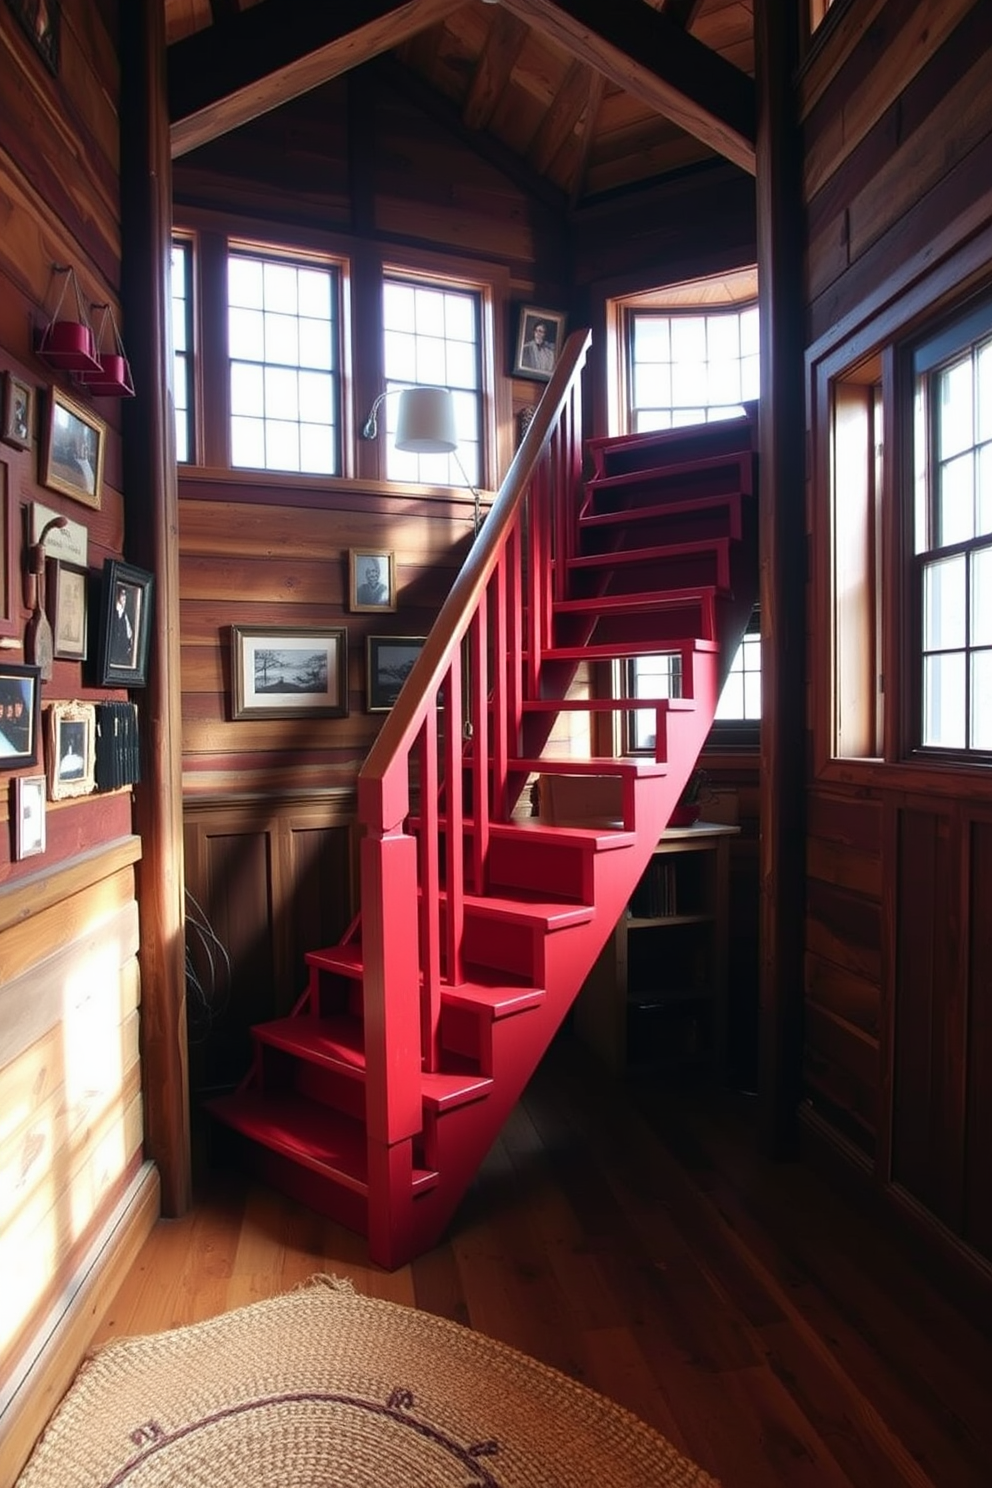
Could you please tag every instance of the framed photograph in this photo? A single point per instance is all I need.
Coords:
(20, 714)
(389, 661)
(10, 557)
(539, 337)
(17, 413)
(125, 625)
(285, 673)
(29, 815)
(70, 749)
(371, 580)
(65, 597)
(41, 19)
(73, 449)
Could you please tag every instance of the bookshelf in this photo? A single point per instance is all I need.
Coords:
(657, 996)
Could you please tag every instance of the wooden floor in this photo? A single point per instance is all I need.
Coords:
(633, 1239)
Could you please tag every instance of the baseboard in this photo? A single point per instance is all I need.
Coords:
(45, 1368)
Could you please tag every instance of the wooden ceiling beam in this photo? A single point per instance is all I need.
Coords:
(449, 117)
(563, 115)
(225, 75)
(494, 70)
(586, 139)
(647, 54)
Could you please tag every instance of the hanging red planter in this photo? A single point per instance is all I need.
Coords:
(112, 379)
(68, 343)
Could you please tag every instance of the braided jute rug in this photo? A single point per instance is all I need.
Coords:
(324, 1388)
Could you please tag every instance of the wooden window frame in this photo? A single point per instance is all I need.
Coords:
(361, 267)
(914, 304)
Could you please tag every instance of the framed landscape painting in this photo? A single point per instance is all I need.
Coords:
(282, 672)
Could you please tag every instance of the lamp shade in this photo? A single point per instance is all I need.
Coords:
(425, 424)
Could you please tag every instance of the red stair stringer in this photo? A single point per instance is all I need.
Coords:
(379, 1098)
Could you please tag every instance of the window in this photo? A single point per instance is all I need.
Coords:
(431, 335)
(282, 345)
(182, 347)
(953, 535)
(691, 368)
(688, 354)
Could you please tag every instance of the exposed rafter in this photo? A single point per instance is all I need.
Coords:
(494, 70)
(222, 76)
(646, 53)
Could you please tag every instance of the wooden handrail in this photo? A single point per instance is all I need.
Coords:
(382, 783)
(414, 883)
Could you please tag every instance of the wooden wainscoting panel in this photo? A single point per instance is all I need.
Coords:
(978, 1150)
(268, 880)
(929, 1015)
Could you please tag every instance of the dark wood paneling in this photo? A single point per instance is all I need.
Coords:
(929, 1045)
(267, 883)
(978, 1189)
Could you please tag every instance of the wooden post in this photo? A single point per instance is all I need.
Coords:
(782, 497)
(151, 528)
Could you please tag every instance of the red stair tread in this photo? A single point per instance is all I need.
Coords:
(336, 1042)
(307, 1132)
(609, 705)
(621, 516)
(523, 908)
(639, 768)
(487, 990)
(666, 599)
(658, 553)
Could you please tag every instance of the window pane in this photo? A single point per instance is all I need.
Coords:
(281, 320)
(981, 598)
(954, 410)
(431, 339)
(981, 700)
(944, 701)
(182, 345)
(983, 512)
(944, 604)
(957, 500)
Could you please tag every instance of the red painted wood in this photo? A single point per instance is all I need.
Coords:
(478, 929)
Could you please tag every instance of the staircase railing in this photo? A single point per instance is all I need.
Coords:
(481, 659)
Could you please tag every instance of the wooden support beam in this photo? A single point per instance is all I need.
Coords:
(494, 68)
(782, 525)
(151, 518)
(654, 59)
(572, 97)
(221, 77)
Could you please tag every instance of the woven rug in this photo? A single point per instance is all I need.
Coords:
(324, 1388)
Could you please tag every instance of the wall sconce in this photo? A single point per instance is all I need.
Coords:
(425, 425)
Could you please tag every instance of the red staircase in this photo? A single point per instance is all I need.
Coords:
(377, 1100)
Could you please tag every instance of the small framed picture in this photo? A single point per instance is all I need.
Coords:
(41, 19)
(125, 625)
(282, 672)
(29, 815)
(65, 596)
(371, 580)
(71, 749)
(73, 449)
(389, 661)
(539, 337)
(17, 414)
(20, 715)
(11, 583)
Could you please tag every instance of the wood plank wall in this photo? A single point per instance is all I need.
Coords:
(70, 1151)
(897, 116)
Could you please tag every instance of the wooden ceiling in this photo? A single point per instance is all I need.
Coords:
(589, 97)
